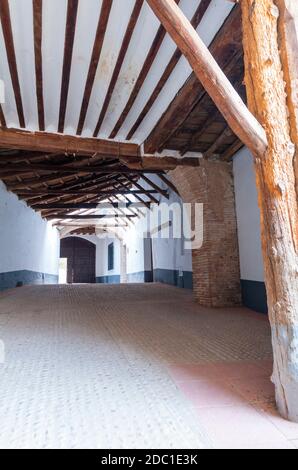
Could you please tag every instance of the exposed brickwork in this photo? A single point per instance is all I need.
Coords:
(216, 273)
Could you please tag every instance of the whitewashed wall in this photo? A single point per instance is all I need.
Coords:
(248, 217)
(249, 234)
(27, 242)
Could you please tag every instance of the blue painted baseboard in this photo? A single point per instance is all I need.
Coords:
(142, 276)
(18, 278)
(254, 295)
(114, 279)
(172, 277)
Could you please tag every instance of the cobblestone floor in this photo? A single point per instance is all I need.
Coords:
(130, 366)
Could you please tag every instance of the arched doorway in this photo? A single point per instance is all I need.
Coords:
(80, 255)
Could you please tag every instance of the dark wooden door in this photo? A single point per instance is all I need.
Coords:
(80, 256)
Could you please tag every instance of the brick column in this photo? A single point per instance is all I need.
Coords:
(216, 273)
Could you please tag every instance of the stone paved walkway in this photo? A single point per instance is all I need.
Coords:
(133, 366)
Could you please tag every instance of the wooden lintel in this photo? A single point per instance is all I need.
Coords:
(230, 104)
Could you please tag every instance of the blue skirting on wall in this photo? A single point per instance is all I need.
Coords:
(172, 277)
(115, 279)
(142, 276)
(254, 295)
(18, 278)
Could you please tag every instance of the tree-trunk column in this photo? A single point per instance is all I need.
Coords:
(265, 83)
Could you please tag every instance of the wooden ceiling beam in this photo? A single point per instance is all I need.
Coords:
(124, 47)
(15, 168)
(2, 117)
(226, 43)
(50, 142)
(158, 40)
(218, 142)
(61, 192)
(204, 4)
(37, 32)
(89, 205)
(240, 119)
(136, 195)
(169, 183)
(159, 163)
(235, 147)
(11, 58)
(71, 19)
(155, 186)
(96, 53)
(143, 190)
(90, 217)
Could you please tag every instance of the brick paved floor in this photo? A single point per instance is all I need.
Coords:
(134, 366)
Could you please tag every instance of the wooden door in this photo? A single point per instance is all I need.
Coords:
(80, 256)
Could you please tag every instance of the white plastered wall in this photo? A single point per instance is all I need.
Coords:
(27, 242)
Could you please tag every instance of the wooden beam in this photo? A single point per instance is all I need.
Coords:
(226, 44)
(2, 117)
(159, 163)
(124, 47)
(204, 4)
(90, 217)
(61, 192)
(37, 31)
(158, 40)
(96, 53)
(230, 152)
(218, 142)
(169, 183)
(124, 186)
(239, 118)
(277, 196)
(5, 169)
(71, 19)
(155, 186)
(143, 190)
(50, 142)
(89, 205)
(11, 58)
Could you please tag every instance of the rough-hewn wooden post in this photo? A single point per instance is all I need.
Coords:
(266, 90)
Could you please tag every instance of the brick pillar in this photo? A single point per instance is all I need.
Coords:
(216, 273)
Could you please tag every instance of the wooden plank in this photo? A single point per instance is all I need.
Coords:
(71, 19)
(240, 119)
(50, 142)
(124, 47)
(11, 58)
(96, 53)
(37, 31)
(158, 40)
(227, 43)
(204, 4)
